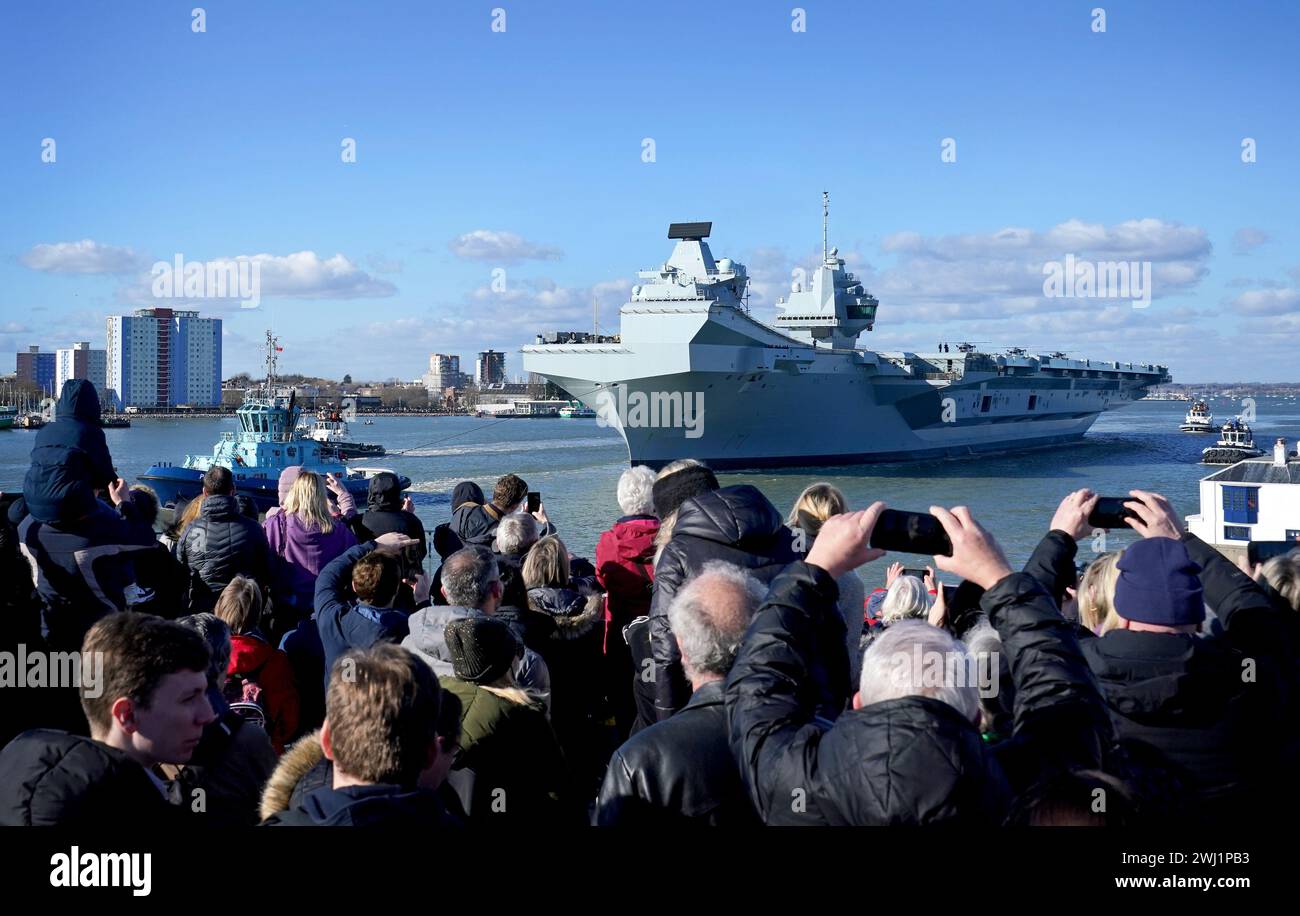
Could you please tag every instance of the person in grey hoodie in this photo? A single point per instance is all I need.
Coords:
(471, 583)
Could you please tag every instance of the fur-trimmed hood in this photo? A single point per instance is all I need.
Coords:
(297, 762)
(575, 614)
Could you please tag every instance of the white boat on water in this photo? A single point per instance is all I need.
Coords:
(577, 412)
(1198, 419)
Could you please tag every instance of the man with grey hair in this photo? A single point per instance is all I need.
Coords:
(909, 751)
(681, 770)
(471, 583)
(516, 535)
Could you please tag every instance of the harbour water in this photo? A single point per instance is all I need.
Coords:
(575, 464)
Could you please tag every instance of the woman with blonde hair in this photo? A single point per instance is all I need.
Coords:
(574, 611)
(815, 505)
(1096, 593)
(305, 537)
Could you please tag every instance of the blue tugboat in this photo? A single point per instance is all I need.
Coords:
(267, 442)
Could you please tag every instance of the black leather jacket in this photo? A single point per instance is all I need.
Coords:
(677, 771)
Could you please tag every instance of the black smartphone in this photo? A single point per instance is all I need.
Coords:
(1110, 512)
(534, 501)
(1263, 551)
(919, 573)
(910, 532)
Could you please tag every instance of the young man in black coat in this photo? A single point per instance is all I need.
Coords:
(144, 693)
(909, 751)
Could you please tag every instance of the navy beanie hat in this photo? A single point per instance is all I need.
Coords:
(1158, 584)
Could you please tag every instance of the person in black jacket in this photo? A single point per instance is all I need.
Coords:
(682, 770)
(1209, 706)
(735, 524)
(475, 522)
(221, 543)
(144, 693)
(909, 752)
(387, 511)
(381, 734)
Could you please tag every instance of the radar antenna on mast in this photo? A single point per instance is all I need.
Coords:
(826, 215)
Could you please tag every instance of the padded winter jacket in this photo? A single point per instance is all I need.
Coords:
(217, 546)
(738, 525)
(70, 458)
(909, 760)
(52, 778)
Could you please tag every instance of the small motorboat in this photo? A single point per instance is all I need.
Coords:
(1198, 419)
(1236, 443)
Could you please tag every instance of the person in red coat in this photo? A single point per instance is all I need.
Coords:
(625, 570)
(255, 660)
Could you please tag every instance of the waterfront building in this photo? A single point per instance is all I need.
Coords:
(490, 369)
(163, 357)
(80, 361)
(1253, 500)
(37, 368)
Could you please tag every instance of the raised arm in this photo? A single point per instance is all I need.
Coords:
(1052, 562)
(770, 691)
(1057, 701)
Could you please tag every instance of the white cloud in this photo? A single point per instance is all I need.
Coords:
(84, 257)
(1268, 302)
(1000, 273)
(1248, 238)
(301, 275)
(504, 247)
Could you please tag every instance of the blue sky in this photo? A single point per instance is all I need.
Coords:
(522, 150)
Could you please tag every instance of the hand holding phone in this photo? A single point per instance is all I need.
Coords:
(972, 554)
(534, 501)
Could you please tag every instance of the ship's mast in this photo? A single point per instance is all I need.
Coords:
(272, 345)
(826, 215)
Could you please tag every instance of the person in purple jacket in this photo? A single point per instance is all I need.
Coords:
(305, 537)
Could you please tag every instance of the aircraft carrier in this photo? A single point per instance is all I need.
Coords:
(693, 375)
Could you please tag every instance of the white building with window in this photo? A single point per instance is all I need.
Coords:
(160, 357)
(1253, 500)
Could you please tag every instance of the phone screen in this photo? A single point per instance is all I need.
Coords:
(1110, 512)
(910, 532)
(1263, 551)
(534, 501)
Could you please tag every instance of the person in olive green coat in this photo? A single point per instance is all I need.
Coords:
(510, 767)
